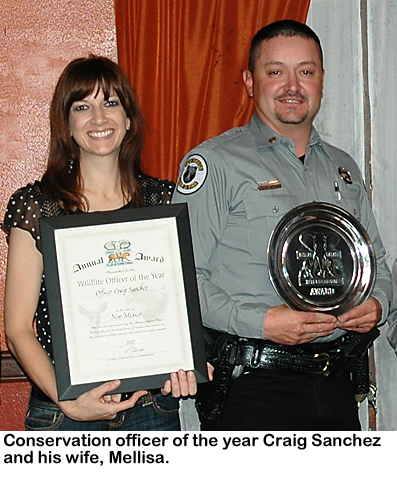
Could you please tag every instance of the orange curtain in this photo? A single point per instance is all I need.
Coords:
(185, 60)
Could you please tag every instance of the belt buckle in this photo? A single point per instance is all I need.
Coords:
(328, 360)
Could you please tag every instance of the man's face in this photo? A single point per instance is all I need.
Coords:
(287, 82)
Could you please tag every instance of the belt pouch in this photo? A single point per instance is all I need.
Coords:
(351, 352)
(360, 379)
(211, 396)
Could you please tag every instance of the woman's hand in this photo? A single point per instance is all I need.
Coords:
(183, 384)
(98, 404)
(180, 384)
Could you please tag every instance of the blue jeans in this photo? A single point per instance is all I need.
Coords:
(153, 412)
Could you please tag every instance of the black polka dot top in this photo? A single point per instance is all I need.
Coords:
(28, 204)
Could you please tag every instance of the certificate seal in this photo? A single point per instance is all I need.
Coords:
(321, 259)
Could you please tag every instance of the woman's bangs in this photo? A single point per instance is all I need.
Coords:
(90, 82)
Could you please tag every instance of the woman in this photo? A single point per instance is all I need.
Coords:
(93, 165)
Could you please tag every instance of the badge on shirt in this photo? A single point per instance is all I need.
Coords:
(269, 184)
(193, 175)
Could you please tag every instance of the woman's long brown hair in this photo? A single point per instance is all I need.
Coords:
(81, 78)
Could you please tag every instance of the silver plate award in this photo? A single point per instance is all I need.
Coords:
(321, 259)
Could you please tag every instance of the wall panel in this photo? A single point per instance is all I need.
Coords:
(37, 39)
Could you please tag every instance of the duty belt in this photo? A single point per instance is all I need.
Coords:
(231, 355)
(276, 357)
(330, 358)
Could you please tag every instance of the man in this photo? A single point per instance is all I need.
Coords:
(245, 181)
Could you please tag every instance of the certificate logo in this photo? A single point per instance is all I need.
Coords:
(118, 252)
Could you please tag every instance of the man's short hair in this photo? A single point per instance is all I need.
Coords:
(282, 28)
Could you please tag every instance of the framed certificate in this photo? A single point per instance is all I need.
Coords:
(122, 298)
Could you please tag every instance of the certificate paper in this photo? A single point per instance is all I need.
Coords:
(123, 299)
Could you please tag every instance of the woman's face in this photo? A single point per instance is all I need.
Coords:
(98, 125)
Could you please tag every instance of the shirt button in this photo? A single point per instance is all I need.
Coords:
(276, 209)
(272, 139)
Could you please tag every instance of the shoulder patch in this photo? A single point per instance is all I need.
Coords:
(193, 175)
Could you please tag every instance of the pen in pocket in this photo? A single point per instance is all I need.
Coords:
(337, 191)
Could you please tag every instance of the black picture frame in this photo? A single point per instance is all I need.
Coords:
(93, 225)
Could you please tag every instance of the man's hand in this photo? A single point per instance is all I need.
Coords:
(287, 326)
(362, 318)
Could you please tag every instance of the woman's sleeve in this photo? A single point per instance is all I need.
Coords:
(156, 192)
(23, 211)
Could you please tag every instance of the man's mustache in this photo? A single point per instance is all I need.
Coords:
(291, 96)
